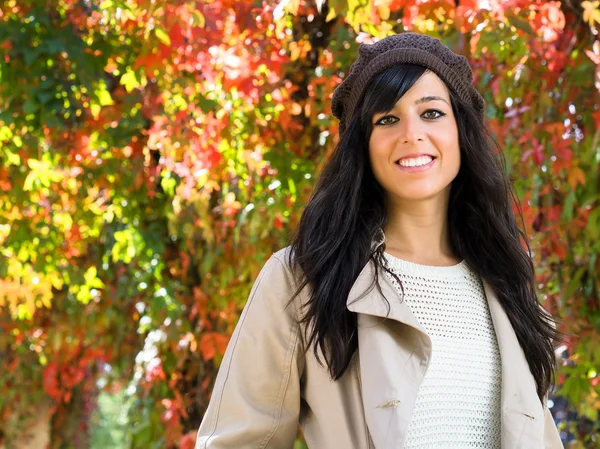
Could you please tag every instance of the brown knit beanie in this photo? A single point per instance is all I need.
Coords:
(404, 48)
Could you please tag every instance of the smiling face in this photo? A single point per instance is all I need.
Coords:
(414, 148)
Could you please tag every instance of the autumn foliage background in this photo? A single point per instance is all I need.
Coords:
(154, 153)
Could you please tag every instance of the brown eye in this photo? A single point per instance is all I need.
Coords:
(432, 114)
(387, 120)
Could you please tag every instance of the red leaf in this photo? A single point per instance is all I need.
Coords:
(278, 223)
(188, 441)
(50, 383)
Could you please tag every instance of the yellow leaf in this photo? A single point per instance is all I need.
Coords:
(590, 5)
(20, 298)
(331, 15)
(129, 80)
(104, 98)
(198, 19)
(336, 7)
(383, 8)
(162, 36)
(293, 6)
(588, 11)
(95, 110)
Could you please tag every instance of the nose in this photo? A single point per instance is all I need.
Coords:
(411, 131)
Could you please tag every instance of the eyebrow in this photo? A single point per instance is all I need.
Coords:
(422, 100)
(431, 98)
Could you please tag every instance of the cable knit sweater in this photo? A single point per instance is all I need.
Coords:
(458, 402)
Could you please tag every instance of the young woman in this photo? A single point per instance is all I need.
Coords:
(404, 313)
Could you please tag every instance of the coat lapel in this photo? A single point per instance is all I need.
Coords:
(363, 299)
(522, 411)
(394, 356)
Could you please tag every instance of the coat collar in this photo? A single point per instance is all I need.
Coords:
(389, 389)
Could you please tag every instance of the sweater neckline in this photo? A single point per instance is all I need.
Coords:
(407, 267)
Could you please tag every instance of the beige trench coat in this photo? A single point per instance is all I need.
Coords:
(268, 384)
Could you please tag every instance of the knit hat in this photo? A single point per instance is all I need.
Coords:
(404, 48)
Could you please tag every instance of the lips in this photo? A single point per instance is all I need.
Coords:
(415, 159)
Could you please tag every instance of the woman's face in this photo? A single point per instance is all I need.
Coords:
(414, 148)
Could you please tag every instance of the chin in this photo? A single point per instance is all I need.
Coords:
(418, 195)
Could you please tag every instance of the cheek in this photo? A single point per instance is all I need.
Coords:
(381, 144)
(378, 157)
(449, 145)
(376, 165)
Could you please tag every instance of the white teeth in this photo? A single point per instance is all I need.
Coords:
(416, 162)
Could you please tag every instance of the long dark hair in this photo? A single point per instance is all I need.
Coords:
(345, 214)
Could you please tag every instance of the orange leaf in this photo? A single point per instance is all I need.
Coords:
(221, 342)
(207, 346)
(576, 176)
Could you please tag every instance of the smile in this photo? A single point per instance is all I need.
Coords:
(417, 164)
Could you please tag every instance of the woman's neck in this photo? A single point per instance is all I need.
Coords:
(418, 233)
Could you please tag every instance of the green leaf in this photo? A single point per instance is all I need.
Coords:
(520, 23)
(31, 55)
(593, 224)
(574, 283)
(207, 105)
(569, 206)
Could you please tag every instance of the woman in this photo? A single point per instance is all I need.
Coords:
(404, 314)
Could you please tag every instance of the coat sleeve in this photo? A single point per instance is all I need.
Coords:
(255, 402)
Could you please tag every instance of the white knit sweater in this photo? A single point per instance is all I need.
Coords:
(458, 403)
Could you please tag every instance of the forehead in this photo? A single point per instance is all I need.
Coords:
(428, 84)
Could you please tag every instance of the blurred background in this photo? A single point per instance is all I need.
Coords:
(154, 153)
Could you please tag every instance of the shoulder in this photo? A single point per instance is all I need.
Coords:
(277, 276)
(283, 254)
(282, 260)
